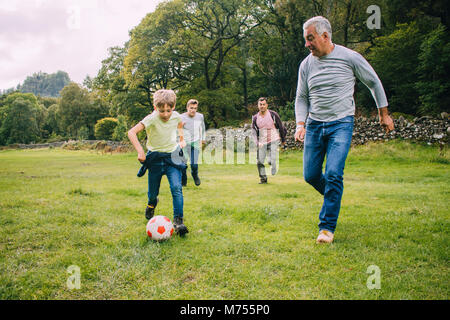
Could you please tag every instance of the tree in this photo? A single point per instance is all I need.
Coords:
(110, 86)
(19, 125)
(43, 84)
(433, 70)
(395, 59)
(78, 109)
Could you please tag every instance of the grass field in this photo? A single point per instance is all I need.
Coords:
(247, 241)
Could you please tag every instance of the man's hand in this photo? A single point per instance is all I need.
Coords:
(182, 144)
(385, 120)
(300, 134)
(141, 157)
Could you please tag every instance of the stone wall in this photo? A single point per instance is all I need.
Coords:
(425, 129)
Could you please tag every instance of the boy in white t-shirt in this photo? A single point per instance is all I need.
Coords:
(164, 155)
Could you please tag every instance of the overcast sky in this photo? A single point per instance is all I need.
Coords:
(68, 35)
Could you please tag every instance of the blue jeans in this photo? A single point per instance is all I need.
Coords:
(332, 139)
(155, 173)
(193, 154)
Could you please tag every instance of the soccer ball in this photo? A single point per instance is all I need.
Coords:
(159, 228)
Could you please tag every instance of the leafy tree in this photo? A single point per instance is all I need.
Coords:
(120, 132)
(78, 109)
(19, 125)
(433, 70)
(395, 59)
(111, 87)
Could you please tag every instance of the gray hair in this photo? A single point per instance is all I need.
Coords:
(321, 24)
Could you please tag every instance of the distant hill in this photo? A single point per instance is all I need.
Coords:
(45, 85)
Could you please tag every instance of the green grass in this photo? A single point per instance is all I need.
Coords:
(247, 241)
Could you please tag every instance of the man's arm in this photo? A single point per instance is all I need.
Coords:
(132, 135)
(368, 76)
(280, 126)
(301, 104)
(255, 131)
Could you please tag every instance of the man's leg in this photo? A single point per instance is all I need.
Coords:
(339, 137)
(274, 148)
(313, 155)
(261, 157)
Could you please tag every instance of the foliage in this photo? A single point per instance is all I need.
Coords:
(46, 85)
(396, 69)
(433, 72)
(22, 119)
(104, 128)
(78, 108)
(120, 131)
(287, 112)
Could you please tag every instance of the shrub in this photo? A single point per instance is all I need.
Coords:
(104, 128)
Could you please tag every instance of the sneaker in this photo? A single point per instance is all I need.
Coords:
(263, 181)
(325, 236)
(197, 181)
(150, 210)
(179, 226)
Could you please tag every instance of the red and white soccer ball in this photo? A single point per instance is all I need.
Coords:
(159, 228)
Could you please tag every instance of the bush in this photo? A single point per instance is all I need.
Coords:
(104, 128)
(287, 112)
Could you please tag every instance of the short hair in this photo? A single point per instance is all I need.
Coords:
(164, 97)
(321, 24)
(262, 99)
(192, 101)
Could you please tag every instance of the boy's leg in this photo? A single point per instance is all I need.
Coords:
(261, 156)
(174, 177)
(183, 172)
(154, 183)
(194, 164)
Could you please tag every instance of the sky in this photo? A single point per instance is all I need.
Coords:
(68, 35)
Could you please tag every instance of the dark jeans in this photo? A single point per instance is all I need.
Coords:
(193, 154)
(332, 139)
(155, 172)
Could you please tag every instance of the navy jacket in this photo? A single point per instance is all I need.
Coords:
(175, 159)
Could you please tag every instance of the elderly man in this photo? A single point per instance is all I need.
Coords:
(325, 101)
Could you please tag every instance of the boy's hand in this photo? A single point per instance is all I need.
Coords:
(182, 144)
(141, 157)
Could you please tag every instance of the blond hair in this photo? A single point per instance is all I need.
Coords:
(164, 97)
(192, 101)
